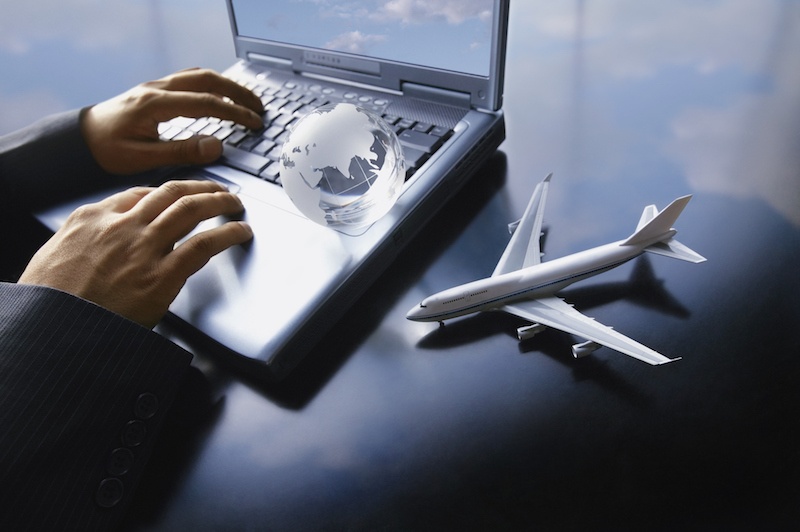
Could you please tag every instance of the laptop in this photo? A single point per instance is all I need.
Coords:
(434, 71)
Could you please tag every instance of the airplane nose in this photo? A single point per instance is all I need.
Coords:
(415, 313)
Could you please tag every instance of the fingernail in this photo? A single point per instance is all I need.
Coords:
(247, 228)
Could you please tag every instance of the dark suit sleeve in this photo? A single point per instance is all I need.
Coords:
(83, 395)
(40, 165)
(47, 162)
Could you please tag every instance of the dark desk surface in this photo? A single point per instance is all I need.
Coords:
(397, 425)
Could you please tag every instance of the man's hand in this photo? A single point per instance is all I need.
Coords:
(122, 132)
(120, 253)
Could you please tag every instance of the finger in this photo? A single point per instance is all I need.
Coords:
(159, 199)
(125, 200)
(170, 103)
(193, 254)
(183, 216)
(194, 150)
(206, 80)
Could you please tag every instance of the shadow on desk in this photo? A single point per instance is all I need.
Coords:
(324, 360)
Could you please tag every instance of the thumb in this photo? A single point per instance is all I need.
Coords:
(195, 150)
(140, 156)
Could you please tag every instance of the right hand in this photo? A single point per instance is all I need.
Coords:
(120, 252)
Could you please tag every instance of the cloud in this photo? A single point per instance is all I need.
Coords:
(747, 149)
(750, 147)
(630, 39)
(745, 142)
(76, 21)
(118, 26)
(420, 11)
(354, 42)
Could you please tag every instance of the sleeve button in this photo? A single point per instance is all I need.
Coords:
(120, 461)
(134, 433)
(109, 493)
(146, 406)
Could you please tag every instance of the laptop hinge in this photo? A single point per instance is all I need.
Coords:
(435, 94)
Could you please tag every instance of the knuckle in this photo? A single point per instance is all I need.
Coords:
(205, 74)
(173, 188)
(201, 246)
(186, 206)
(86, 214)
(84, 211)
(209, 100)
(145, 96)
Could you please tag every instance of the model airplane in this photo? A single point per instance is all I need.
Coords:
(524, 286)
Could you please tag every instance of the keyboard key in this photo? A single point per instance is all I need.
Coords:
(277, 103)
(283, 121)
(183, 135)
(223, 133)
(169, 133)
(275, 153)
(210, 129)
(242, 160)
(439, 131)
(198, 124)
(249, 142)
(422, 127)
(420, 141)
(405, 123)
(291, 107)
(413, 159)
(236, 137)
(271, 172)
(182, 121)
(263, 147)
(272, 132)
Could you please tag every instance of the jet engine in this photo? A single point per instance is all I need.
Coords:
(584, 349)
(529, 331)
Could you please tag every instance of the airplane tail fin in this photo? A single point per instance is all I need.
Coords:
(655, 231)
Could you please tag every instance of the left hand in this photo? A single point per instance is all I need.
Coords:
(122, 132)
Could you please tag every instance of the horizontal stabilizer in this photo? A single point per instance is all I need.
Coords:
(676, 250)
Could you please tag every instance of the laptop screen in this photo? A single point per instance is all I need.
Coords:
(453, 35)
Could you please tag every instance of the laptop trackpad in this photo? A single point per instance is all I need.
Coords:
(247, 295)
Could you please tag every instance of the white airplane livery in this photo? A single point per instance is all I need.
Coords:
(524, 286)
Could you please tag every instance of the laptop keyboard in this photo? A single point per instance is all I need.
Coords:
(258, 152)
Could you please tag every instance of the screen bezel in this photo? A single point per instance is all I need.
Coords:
(481, 92)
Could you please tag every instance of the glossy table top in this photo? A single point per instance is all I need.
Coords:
(396, 425)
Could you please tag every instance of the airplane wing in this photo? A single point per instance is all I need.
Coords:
(523, 249)
(556, 313)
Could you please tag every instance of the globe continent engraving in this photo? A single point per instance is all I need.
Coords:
(342, 166)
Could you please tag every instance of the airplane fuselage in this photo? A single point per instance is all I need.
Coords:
(541, 280)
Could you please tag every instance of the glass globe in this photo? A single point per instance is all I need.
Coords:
(342, 166)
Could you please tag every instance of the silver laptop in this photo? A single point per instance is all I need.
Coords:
(433, 71)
